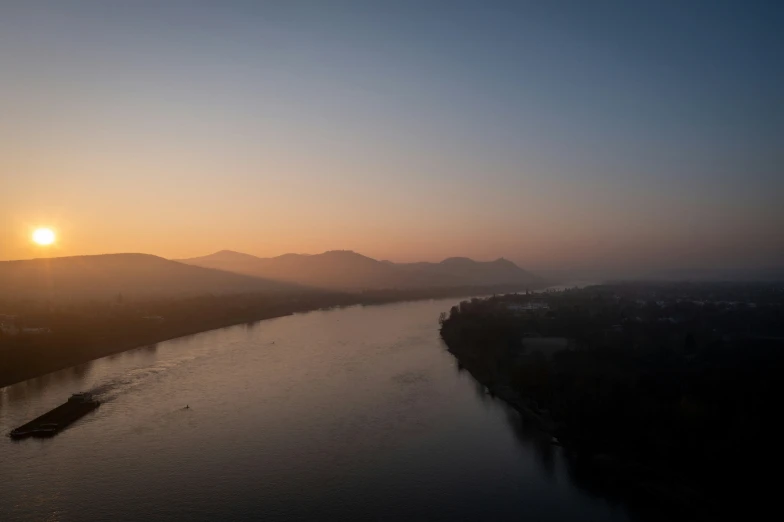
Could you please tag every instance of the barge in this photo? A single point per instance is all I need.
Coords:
(54, 421)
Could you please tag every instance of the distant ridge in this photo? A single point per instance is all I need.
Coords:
(349, 271)
(99, 276)
(226, 271)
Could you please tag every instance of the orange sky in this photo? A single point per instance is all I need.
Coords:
(551, 140)
(167, 199)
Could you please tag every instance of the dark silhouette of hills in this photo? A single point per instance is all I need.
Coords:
(336, 269)
(227, 272)
(350, 271)
(99, 276)
(467, 272)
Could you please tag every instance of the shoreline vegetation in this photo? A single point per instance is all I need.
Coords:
(55, 336)
(659, 394)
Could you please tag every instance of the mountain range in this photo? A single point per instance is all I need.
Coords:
(99, 276)
(345, 270)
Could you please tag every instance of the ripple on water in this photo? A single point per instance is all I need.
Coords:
(355, 413)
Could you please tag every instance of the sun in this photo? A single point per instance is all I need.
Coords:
(43, 236)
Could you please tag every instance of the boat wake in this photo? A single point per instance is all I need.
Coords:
(126, 382)
(130, 378)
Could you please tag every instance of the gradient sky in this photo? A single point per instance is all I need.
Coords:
(557, 134)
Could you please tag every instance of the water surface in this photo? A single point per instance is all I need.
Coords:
(356, 413)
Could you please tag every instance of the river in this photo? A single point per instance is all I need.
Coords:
(350, 414)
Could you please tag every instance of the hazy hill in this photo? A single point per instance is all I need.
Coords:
(346, 270)
(336, 269)
(130, 274)
(466, 271)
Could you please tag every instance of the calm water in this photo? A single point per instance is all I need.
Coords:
(357, 413)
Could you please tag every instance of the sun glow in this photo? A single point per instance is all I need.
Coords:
(43, 236)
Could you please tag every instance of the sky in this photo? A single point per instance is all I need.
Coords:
(557, 134)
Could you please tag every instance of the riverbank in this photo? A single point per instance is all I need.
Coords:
(16, 368)
(658, 404)
(653, 492)
(92, 331)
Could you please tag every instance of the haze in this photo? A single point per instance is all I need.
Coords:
(391, 260)
(626, 135)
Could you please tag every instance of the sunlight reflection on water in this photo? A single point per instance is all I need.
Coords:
(356, 413)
